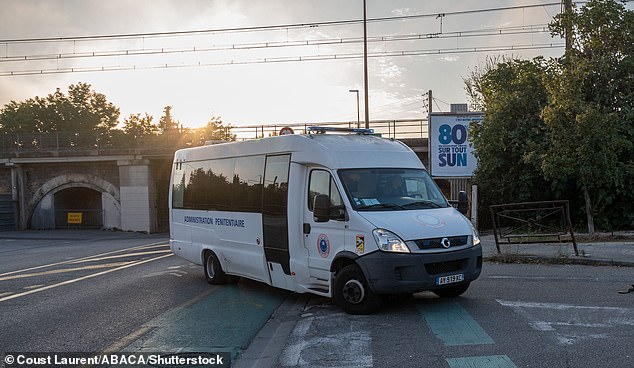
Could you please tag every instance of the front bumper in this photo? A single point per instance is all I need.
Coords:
(400, 273)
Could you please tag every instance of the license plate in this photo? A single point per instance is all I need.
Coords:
(451, 279)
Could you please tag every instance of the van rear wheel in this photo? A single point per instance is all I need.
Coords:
(452, 291)
(213, 272)
(351, 292)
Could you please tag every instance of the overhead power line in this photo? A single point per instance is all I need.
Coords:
(503, 31)
(271, 27)
(289, 59)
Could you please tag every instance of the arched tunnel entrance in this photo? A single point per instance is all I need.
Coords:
(78, 206)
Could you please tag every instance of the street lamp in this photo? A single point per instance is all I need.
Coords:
(365, 67)
(358, 117)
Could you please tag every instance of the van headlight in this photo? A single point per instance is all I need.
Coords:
(474, 235)
(389, 242)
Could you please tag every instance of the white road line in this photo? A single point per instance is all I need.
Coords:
(81, 278)
(64, 270)
(557, 306)
(122, 256)
(82, 258)
(569, 323)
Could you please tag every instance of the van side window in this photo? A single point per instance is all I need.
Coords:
(322, 183)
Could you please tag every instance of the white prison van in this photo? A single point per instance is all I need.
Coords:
(347, 216)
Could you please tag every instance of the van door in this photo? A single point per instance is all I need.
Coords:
(275, 211)
(323, 240)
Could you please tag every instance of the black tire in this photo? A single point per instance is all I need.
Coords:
(351, 292)
(452, 291)
(213, 272)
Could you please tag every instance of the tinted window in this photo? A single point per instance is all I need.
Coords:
(322, 183)
(274, 210)
(231, 184)
(178, 185)
(247, 184)
(391, 189)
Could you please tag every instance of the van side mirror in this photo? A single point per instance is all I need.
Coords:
(321, 208)
(463, 202)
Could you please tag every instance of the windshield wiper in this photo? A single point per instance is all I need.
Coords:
(422, 203)
(380, 205)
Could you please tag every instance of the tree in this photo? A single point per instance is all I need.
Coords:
(590, 113)
(215, 130)
(509, 140)
(81, 110)
(137, 126)
(166, 122)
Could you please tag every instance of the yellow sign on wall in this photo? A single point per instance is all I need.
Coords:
(74, 218)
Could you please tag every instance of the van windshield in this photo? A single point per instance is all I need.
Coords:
(391, 189)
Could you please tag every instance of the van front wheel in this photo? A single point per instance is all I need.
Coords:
(351, 292)
(213, 272)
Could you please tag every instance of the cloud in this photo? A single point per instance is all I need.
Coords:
(402, 11)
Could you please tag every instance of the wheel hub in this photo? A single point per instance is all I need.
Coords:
(353, 292)
(210, 267)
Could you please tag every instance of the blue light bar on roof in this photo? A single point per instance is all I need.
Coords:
(322, 130)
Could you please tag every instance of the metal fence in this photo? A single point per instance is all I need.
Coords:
(69, 143)
(397, 129)
(532, 222)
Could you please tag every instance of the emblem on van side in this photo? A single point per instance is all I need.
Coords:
(360, 242)
(446, 243)
(323, 245)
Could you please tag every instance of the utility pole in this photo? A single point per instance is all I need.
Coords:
(568, 24)
(365, 67)
(430, 100)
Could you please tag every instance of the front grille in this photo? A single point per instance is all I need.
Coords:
(445, 267)
(435, 243)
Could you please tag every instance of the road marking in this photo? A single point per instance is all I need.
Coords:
(33, 287)
(453, 325)
(492, 361)
(572, 323)
(226, 320)
(121, 256)
(557, 306)
(347, 346)
(87, 257)
(123, 342)
(81, 278)
(5, 294)
(65, 270)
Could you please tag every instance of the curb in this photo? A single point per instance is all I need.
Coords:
(574, 260)
(267, 345)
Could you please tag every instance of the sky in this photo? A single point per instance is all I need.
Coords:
(246, 77)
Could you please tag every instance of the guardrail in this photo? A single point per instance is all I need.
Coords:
(397, 129)
(532, 222)
(69, 143)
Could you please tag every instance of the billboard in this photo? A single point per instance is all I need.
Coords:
(450, 153)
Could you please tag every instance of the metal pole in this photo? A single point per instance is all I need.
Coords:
(358, 115)
(365, 67)
(568, 26)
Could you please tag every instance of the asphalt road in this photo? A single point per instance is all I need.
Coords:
(513, 316)
(102, 291)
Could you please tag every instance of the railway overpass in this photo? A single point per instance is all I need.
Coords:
(73, 180)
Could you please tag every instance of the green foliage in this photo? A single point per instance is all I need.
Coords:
(509, 142)
(589, 118)
(166, 122)
(215, 130)
(138, 126)
(564, 128)
(81, 110)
